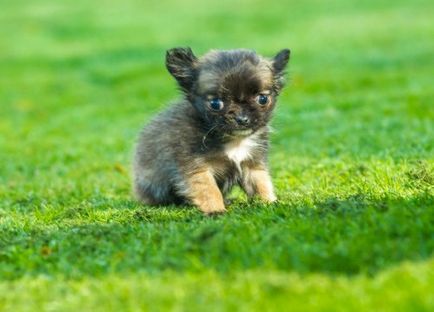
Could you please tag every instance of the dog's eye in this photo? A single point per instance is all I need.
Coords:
(216, 104)
(262, 99)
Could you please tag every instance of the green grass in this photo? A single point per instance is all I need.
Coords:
(352, 160)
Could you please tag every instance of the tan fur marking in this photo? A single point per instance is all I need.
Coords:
(258, 182)
(204, 192)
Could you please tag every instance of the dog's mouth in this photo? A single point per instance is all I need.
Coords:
(242, 132)
(237, 131)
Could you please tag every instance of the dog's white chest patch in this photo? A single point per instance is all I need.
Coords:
(240, 150)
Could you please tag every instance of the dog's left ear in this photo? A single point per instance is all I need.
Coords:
(180, 63)
(279, 63)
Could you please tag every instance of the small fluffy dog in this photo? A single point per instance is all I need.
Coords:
(216, 136)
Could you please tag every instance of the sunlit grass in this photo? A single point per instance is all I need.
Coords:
(352, 159)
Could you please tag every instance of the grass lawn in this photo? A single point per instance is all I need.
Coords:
(352, 160)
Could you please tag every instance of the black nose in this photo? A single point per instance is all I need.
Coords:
(242, 120)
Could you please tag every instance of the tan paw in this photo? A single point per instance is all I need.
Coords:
(209, 211)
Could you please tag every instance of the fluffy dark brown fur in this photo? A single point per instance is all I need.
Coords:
(216, 136)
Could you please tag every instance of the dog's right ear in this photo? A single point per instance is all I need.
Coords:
(180, 63)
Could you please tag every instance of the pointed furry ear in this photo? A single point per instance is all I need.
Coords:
(180, 63)
(280, 61)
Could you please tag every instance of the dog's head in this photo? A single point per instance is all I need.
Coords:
(234, 91)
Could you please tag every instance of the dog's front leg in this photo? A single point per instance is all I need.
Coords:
(202, 190)
(256, 181)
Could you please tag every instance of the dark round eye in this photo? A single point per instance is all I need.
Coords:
(262, 99)
(216, 104)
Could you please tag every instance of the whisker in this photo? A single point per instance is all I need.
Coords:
(206, 135)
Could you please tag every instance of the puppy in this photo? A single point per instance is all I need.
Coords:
(216, 136)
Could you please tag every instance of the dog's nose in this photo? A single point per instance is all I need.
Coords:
(242, 120)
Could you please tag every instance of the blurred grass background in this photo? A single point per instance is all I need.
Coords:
(352, 159)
